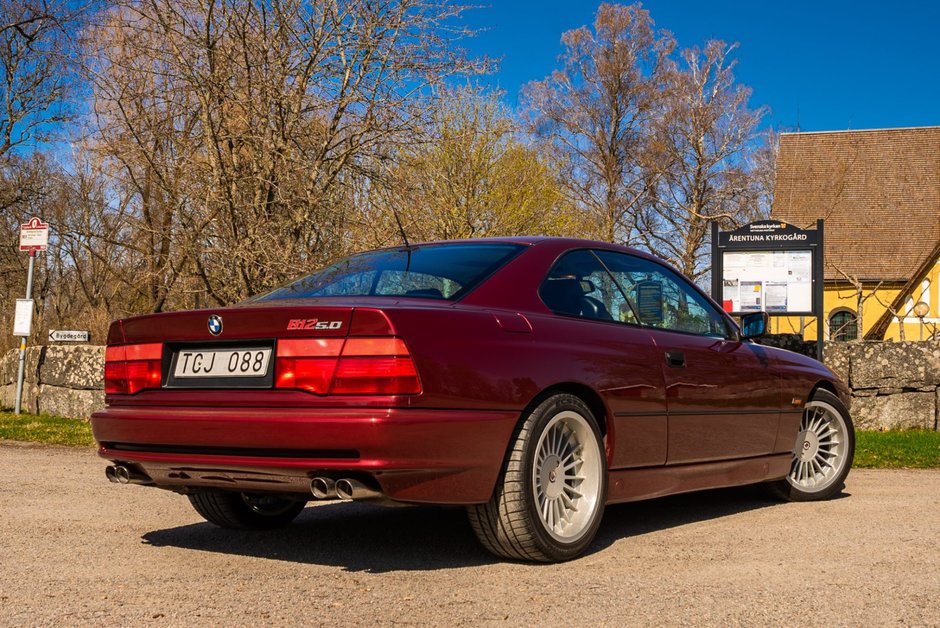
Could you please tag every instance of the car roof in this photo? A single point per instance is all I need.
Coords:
(559, 243)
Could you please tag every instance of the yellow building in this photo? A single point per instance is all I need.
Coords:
(879, 193)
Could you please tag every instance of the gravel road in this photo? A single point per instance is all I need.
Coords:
(76, 550)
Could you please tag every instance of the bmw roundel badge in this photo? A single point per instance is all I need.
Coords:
(215, 324)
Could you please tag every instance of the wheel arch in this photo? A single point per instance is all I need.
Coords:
(585, 393)
(825, 385)
(842, 395)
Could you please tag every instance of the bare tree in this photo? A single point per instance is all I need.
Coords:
(25, 189)
(233, 144)
(35, 47)
(242, 128)
(702, 170)
(36, 84)
(595, 115)
(860, 296)
(898, 314)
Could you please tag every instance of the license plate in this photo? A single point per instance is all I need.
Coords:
(222, 363)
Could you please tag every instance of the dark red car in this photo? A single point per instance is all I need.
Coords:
(532, 380)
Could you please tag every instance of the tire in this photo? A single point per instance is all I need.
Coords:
(537, 513)
(822, 454)
(245, 511)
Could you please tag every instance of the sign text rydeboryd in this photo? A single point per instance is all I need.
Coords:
(62, 335)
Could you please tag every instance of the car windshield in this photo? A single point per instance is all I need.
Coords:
(439, 271)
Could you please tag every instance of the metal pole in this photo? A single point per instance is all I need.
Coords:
(22, 366)
(819, 290)
(716, 267)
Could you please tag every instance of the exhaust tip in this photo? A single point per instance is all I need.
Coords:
(122, 474)
(350, 488)
(323, 488)
(119, 474)
(344, 490)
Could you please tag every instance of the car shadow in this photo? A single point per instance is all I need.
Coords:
(355, 536)
(371, 538)
(645, 517)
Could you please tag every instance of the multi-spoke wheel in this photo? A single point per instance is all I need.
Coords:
(823, 452)
(566, 475)
(254, 511)
(549, 501)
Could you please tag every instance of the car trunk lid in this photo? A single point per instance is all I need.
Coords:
(321, 350)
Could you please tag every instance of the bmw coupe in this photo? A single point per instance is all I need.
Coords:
(531, 380)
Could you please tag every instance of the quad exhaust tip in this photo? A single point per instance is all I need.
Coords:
(346, 489)
(120, 474)
(349, 489)
(323, 488)
(110, 472)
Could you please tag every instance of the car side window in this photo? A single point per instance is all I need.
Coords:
(661, 298)
(579, 285)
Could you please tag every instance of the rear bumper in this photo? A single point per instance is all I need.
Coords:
(414, 455)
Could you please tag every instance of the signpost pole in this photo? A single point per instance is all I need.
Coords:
(819, 292)
(716, 265)
(22, 361)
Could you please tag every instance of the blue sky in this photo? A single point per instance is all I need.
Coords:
(827, 65)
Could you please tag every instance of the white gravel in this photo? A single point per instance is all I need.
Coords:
(76, 550)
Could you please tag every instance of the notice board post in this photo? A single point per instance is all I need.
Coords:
(770, 266)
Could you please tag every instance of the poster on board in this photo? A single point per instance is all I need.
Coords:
(779, 282)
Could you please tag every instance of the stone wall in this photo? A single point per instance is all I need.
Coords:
(895, 385)
(61, 380)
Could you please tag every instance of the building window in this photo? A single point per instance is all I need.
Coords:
(843, 326)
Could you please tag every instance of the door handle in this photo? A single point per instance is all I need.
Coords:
(675, 359)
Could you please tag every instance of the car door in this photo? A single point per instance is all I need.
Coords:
(615, 355)
(722, 394)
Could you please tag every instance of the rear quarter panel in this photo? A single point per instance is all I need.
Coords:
(466, 360)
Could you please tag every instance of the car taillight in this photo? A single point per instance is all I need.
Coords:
(131, 368)
(307, 363)
(354, 366)
(375, 366)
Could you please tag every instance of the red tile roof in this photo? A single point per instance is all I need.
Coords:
(878, 191)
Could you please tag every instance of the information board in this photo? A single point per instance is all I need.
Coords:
(770, 266)
(778, 282)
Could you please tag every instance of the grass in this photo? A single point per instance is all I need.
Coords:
(45, 429)
(915, 449)
(909, 449)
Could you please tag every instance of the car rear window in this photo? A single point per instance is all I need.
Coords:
(436, 271)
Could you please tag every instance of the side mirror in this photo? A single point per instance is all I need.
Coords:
(754, 325)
